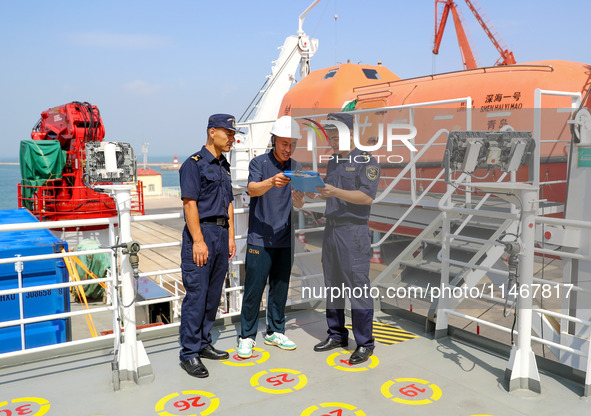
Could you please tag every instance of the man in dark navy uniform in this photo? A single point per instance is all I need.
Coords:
(352, 179)
(208, 242)
(270, 238)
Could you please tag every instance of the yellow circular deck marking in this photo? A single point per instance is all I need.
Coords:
(186, 406)
(25, 408)
(337, 361)
(332, 409)
(278, 381)
(411, 388)
(258, 356)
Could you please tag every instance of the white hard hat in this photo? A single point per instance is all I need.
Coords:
(286, 127)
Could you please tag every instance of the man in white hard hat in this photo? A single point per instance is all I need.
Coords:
(269, 252)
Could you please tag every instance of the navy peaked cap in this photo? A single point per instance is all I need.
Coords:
(226, 121)
(345, 118)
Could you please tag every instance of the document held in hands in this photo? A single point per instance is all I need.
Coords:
(305, 181)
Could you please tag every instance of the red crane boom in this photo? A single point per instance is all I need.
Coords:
(465, 49)
(468, 59)
(54, 196)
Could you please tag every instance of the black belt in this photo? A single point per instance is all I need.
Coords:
(221, 221)
(340, 222)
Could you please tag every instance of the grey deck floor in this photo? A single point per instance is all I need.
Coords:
(447, 376)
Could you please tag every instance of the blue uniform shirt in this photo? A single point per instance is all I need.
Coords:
(269, 221)
(207, 180)
(357, 171)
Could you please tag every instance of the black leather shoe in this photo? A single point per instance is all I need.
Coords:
(360, 355)
(194, 367)
(211, 353)
(330, 344)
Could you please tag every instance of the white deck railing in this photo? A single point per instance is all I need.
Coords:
(166, 278)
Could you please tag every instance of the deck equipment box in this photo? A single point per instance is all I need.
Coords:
(34, 273)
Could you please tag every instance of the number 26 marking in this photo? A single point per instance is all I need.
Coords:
(183, 405)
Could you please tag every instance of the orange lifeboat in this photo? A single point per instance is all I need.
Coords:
(500, 96)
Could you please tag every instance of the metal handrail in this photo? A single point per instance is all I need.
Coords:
(174, 282)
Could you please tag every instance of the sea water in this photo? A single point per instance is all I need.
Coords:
(10, 176)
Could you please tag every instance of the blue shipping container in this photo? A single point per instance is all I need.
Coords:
(35, 273)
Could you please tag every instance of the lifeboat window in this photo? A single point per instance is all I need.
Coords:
(330, 73)
(371, 73)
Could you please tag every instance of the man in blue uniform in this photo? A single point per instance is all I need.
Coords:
(352, 179)
(270, 238)
(208, 242)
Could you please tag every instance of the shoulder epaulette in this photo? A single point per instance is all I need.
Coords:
(366, 155)
(197, 158)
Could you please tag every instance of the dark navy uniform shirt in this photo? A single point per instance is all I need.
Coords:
(269, 221)
(207, 180)
(357, 171)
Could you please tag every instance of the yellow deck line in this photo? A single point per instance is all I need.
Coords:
(402, 333)
(391, 337)
(387, 334)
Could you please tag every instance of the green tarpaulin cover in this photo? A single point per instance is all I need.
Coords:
(40, 161)
(96, 263)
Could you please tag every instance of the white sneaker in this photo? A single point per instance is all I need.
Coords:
(280, 340)
(245, 347)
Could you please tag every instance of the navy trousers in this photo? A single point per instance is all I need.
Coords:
(346, 253)
(203, 287)
(262, 263)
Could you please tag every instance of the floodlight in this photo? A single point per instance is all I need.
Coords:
(110, 162)
(468, 151)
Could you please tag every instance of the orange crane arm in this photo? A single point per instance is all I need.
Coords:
(506, 55)
(441, 27)
(465, 50)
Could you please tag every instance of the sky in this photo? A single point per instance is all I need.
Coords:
(158, 69)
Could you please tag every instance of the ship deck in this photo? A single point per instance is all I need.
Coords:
(414, 375)
(410, 373)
